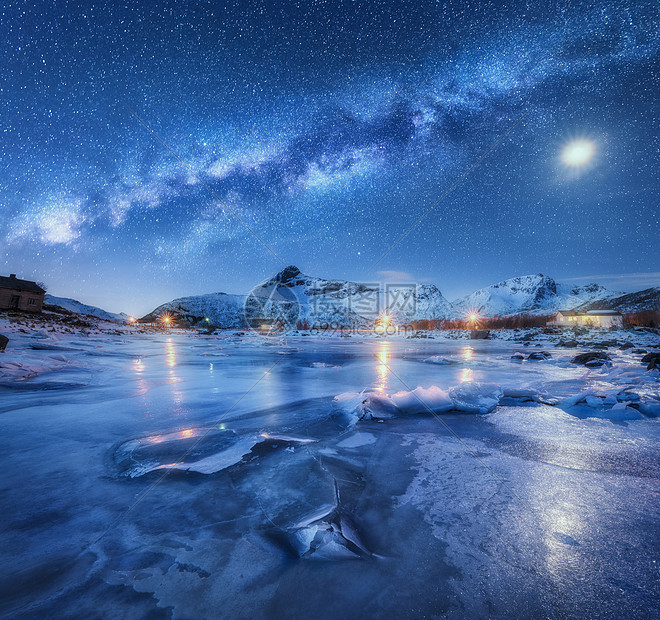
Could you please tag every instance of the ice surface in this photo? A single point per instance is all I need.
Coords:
(179, 475)
(356, 440)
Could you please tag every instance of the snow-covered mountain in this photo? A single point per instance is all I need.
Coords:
(78, 307)
(648, 299)
(534, 294)
(430, 303)
(292, 296)
(296, 296)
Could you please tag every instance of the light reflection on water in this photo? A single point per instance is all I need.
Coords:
(466, 373)
(186, 433)
(170, 360)
(562, 525)
(383, 356)
(170, 353)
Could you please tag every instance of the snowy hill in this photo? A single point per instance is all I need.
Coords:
(648, 299)
(221, 309)
(78, 307)
(535, 294)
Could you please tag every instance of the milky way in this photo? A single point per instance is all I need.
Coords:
(152, 150)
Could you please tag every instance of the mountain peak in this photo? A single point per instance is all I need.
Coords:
(287, 274)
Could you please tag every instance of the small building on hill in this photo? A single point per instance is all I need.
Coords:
(590, 318)
(22, 295)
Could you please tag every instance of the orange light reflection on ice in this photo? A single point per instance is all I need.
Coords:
(466, 375)
(382, 368)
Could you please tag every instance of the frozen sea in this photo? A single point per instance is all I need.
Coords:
(174, 475)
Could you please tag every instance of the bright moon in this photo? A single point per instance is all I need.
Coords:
(578, 153)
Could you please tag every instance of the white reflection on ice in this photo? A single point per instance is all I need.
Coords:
(170, 360)
(170, 353)
(382, 368)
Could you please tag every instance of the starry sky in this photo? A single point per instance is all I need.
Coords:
(152, 150)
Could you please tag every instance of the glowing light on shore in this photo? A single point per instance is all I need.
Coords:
(472, 317)
(384, 320)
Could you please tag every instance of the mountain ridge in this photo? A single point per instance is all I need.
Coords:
(533, 294)
(343, 302)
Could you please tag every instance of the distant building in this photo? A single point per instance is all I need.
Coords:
(590, 318)
(18, 294)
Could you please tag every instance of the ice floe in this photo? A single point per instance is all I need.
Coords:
(195, 450)
(372, 404)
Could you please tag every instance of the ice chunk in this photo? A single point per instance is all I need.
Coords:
(528, 394)
(467, 397)
(375, 405)
(621, 411)
(423, 399)
(329, 537)
(439, 359)
(215, 462)
(650, 408)
(593, 401)
(475, 397)
(219, 450)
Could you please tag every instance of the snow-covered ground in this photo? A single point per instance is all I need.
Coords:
(158, 474)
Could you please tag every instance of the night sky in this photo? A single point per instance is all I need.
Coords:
(157, 149)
